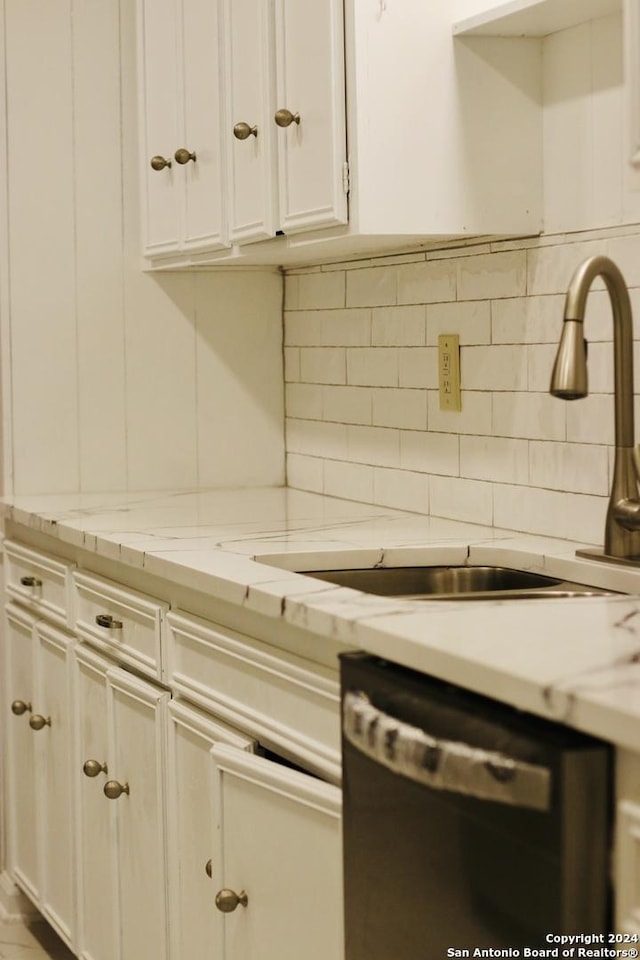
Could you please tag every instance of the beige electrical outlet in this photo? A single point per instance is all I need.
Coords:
(449, 371)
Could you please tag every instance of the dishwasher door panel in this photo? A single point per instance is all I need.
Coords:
(430, 869)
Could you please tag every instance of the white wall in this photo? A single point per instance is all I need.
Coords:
(112, 378)
(363, 419)
(588, 181)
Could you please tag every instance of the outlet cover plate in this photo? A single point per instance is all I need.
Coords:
(449, 371)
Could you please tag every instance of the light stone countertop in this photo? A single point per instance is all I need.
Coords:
(574, 660)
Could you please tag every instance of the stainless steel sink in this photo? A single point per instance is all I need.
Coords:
(455, 582)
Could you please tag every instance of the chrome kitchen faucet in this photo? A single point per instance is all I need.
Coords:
(569, 382)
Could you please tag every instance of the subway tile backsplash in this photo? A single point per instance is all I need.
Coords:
(362, 410)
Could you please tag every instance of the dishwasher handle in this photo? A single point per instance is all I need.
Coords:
(442, 764)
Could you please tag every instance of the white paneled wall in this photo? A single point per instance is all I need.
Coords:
(114, 378)
(363, 418)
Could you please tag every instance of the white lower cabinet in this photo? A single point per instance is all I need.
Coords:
(96, 889)
(234, 822)
(277, 864)
(244, 824)
(151, 821)
(21, 749)
(121, 723)
(52, 728)
(190, 828)
(150, 828)
(40, 796)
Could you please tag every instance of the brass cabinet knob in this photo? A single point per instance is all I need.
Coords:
(19, 707)
(107, 621)
(208, 868)
(30, 582)
(183, 155)
(37, 721)
(228, 900)
(284, 117)
(242, 131)
(112, 789)
(91, 768)
(159, 163)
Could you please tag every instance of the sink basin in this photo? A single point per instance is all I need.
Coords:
(454, 582)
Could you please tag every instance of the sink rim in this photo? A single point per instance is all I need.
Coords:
(543, 586)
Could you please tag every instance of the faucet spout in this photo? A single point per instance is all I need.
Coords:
(569, 382)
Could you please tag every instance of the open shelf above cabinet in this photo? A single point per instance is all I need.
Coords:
(526, 18)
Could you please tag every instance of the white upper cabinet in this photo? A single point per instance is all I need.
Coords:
(348, 126)
(249, 106)
(159, 125)
(180, 144)
(199, 152)
(285, 116)
(444, 134)
(310, 114)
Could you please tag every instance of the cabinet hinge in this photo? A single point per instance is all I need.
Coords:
(346, 177)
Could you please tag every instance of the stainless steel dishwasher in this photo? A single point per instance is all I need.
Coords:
(467, 823)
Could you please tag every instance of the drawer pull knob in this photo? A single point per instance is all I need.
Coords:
(106, 620)
(284, 117)
(19, 707)
(112, 789)
(183, 155)
(38, 722)
(159, 163)
(91, 768)
(228, 900)
(30, 582)
(208, 868)
(242, 131)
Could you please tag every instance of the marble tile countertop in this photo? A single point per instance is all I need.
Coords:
(573, 660)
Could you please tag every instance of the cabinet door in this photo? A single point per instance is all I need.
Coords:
(200, 108)
(55, 795)
(157, 76)
(137, 730)
(190, 827)
(95, 826)
(24, 826)
(311, 153)
(278, 840)
(249, 58)
(40, 794)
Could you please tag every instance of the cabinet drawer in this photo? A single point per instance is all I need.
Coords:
(38, 581)
(123, 624)
(289, 704)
